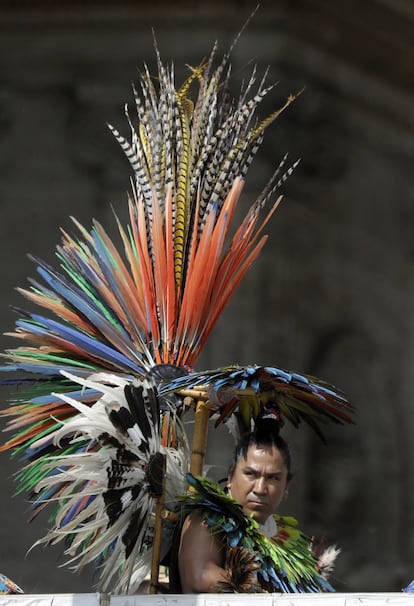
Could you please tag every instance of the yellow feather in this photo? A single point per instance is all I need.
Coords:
(272, 117)
(181, 196)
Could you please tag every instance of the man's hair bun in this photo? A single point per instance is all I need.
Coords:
(269, 420)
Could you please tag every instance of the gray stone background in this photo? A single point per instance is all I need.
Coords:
(331, 294)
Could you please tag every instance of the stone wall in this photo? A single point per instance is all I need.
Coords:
(331, 294)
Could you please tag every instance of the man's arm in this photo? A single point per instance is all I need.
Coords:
(200, 557)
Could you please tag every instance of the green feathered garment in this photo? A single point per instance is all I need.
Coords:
(253, 561)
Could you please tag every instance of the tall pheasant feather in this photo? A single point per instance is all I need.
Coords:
(103, 366)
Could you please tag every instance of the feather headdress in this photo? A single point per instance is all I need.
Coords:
(105, 366)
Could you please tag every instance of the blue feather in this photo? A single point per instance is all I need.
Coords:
(52, 370)
(74, 509)
(91, 345)
(78, 395)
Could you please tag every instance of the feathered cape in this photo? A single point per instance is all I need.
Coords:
(255, 562)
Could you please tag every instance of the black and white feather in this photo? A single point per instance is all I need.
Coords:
(107, 493)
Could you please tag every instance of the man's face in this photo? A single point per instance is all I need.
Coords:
(259, 482)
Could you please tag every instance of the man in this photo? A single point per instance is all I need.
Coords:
(233, 542)
(258, 480)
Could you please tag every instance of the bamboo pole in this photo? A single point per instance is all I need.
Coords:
(198, 452)
(199, 444)
(199, 393)
(156, 546)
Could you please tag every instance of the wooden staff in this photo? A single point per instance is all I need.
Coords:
(156, 546)
(198, 450)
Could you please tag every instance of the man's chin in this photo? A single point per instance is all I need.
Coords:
(260, 519)
(259, 516)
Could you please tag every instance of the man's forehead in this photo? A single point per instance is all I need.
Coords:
(257, 456)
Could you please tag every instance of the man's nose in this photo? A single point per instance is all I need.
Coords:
(260, 486)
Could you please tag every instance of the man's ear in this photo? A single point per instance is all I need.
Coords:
(229, 478)
(285, 496)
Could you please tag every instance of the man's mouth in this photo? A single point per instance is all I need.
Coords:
(257, 503)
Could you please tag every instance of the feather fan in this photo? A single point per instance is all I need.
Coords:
(103, 365)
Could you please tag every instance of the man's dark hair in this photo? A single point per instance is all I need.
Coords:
(259, 439)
